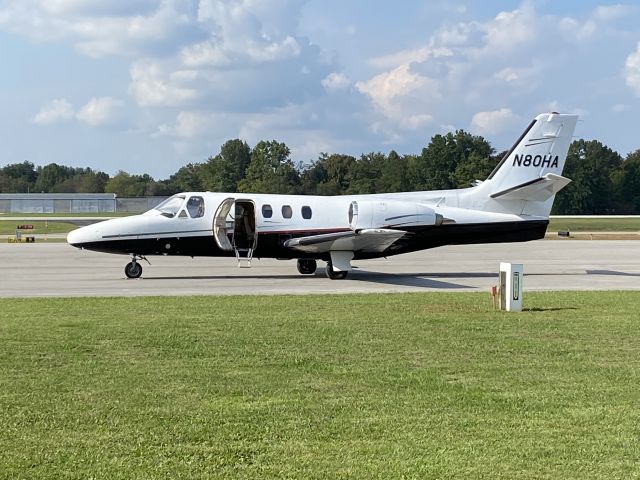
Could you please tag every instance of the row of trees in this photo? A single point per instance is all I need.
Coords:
(603, 182)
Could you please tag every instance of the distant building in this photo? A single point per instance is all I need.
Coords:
(74, 203)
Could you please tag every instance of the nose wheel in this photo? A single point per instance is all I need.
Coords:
(133, 268)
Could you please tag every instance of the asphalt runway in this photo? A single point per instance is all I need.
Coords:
(58, 270)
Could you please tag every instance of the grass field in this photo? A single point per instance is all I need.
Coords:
(354, 386)
(72, 215)
(595, 224)
(9, 227)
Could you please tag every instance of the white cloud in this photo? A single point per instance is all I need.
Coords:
(515, 75)
(509, 30)
(608, 13)
(214, 55)
(244, 32)
(493, 122)
(405, 57)
(458, 64)
(100, 111)
(464, 68)
(206, 53)
(99, 28)
(576, 30)
(152, 86)
(632, 70)
(509, 75)
(58, 110)
(188, 125)
(601, 20)
(103, 7)
(336, 81)
(387, 88)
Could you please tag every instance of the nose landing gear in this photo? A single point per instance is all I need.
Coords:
(133, 269)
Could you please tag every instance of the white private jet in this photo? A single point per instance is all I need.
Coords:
(511, 205)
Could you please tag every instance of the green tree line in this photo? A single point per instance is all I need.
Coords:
(603, 181)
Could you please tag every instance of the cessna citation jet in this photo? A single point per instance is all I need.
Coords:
(511, 205)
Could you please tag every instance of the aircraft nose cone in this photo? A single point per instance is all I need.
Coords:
(81, 236)
(74, 237)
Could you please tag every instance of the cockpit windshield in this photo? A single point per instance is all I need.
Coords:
(171, 205)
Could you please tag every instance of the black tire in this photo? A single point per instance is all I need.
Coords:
(133, 270)
(333, 275)
(307, 266)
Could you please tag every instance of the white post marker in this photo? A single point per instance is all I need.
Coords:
(511, 280)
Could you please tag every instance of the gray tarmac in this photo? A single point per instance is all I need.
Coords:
(58, 270)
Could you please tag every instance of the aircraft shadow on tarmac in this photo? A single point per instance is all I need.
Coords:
(424, 280)
(612, 273)
(401, 279)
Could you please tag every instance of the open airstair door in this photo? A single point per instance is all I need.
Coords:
(245, 237)
(223, 225)
(234, 228)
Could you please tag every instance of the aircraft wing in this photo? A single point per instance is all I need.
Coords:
(366, 240)
(539, 189)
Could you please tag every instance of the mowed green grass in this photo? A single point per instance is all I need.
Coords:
(71, 215)
(356, 386)
(9, 227)
(595, 224)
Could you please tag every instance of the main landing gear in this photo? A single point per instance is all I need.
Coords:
(307, 266)
(133, 269)
(333, 274)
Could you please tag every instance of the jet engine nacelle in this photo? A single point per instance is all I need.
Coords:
(391, 214)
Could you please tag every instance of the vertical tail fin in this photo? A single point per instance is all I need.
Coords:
(530, 174)
(541, 149)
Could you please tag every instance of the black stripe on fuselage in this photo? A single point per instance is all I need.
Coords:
(271, 245)
(177, 234)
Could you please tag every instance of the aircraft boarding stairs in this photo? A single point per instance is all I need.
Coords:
(243, 255)
(245, 237)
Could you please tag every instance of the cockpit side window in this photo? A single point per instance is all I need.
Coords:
(171, 205)
(195, 206)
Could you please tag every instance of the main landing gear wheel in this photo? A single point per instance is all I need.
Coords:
(133, 270)
(333, 275)
(307, 266)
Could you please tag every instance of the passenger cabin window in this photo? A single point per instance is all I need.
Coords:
(171, 206)
(286, 211)
(306, 213)
(267, 211)
(195, 206)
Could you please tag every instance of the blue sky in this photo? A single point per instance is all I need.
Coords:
(148, 86)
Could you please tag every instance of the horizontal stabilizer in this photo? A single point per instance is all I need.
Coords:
(366, 240)
(540, 189)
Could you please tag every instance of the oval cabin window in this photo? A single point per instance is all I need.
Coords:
(267, 211)
(306, 213)
(287, 212)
